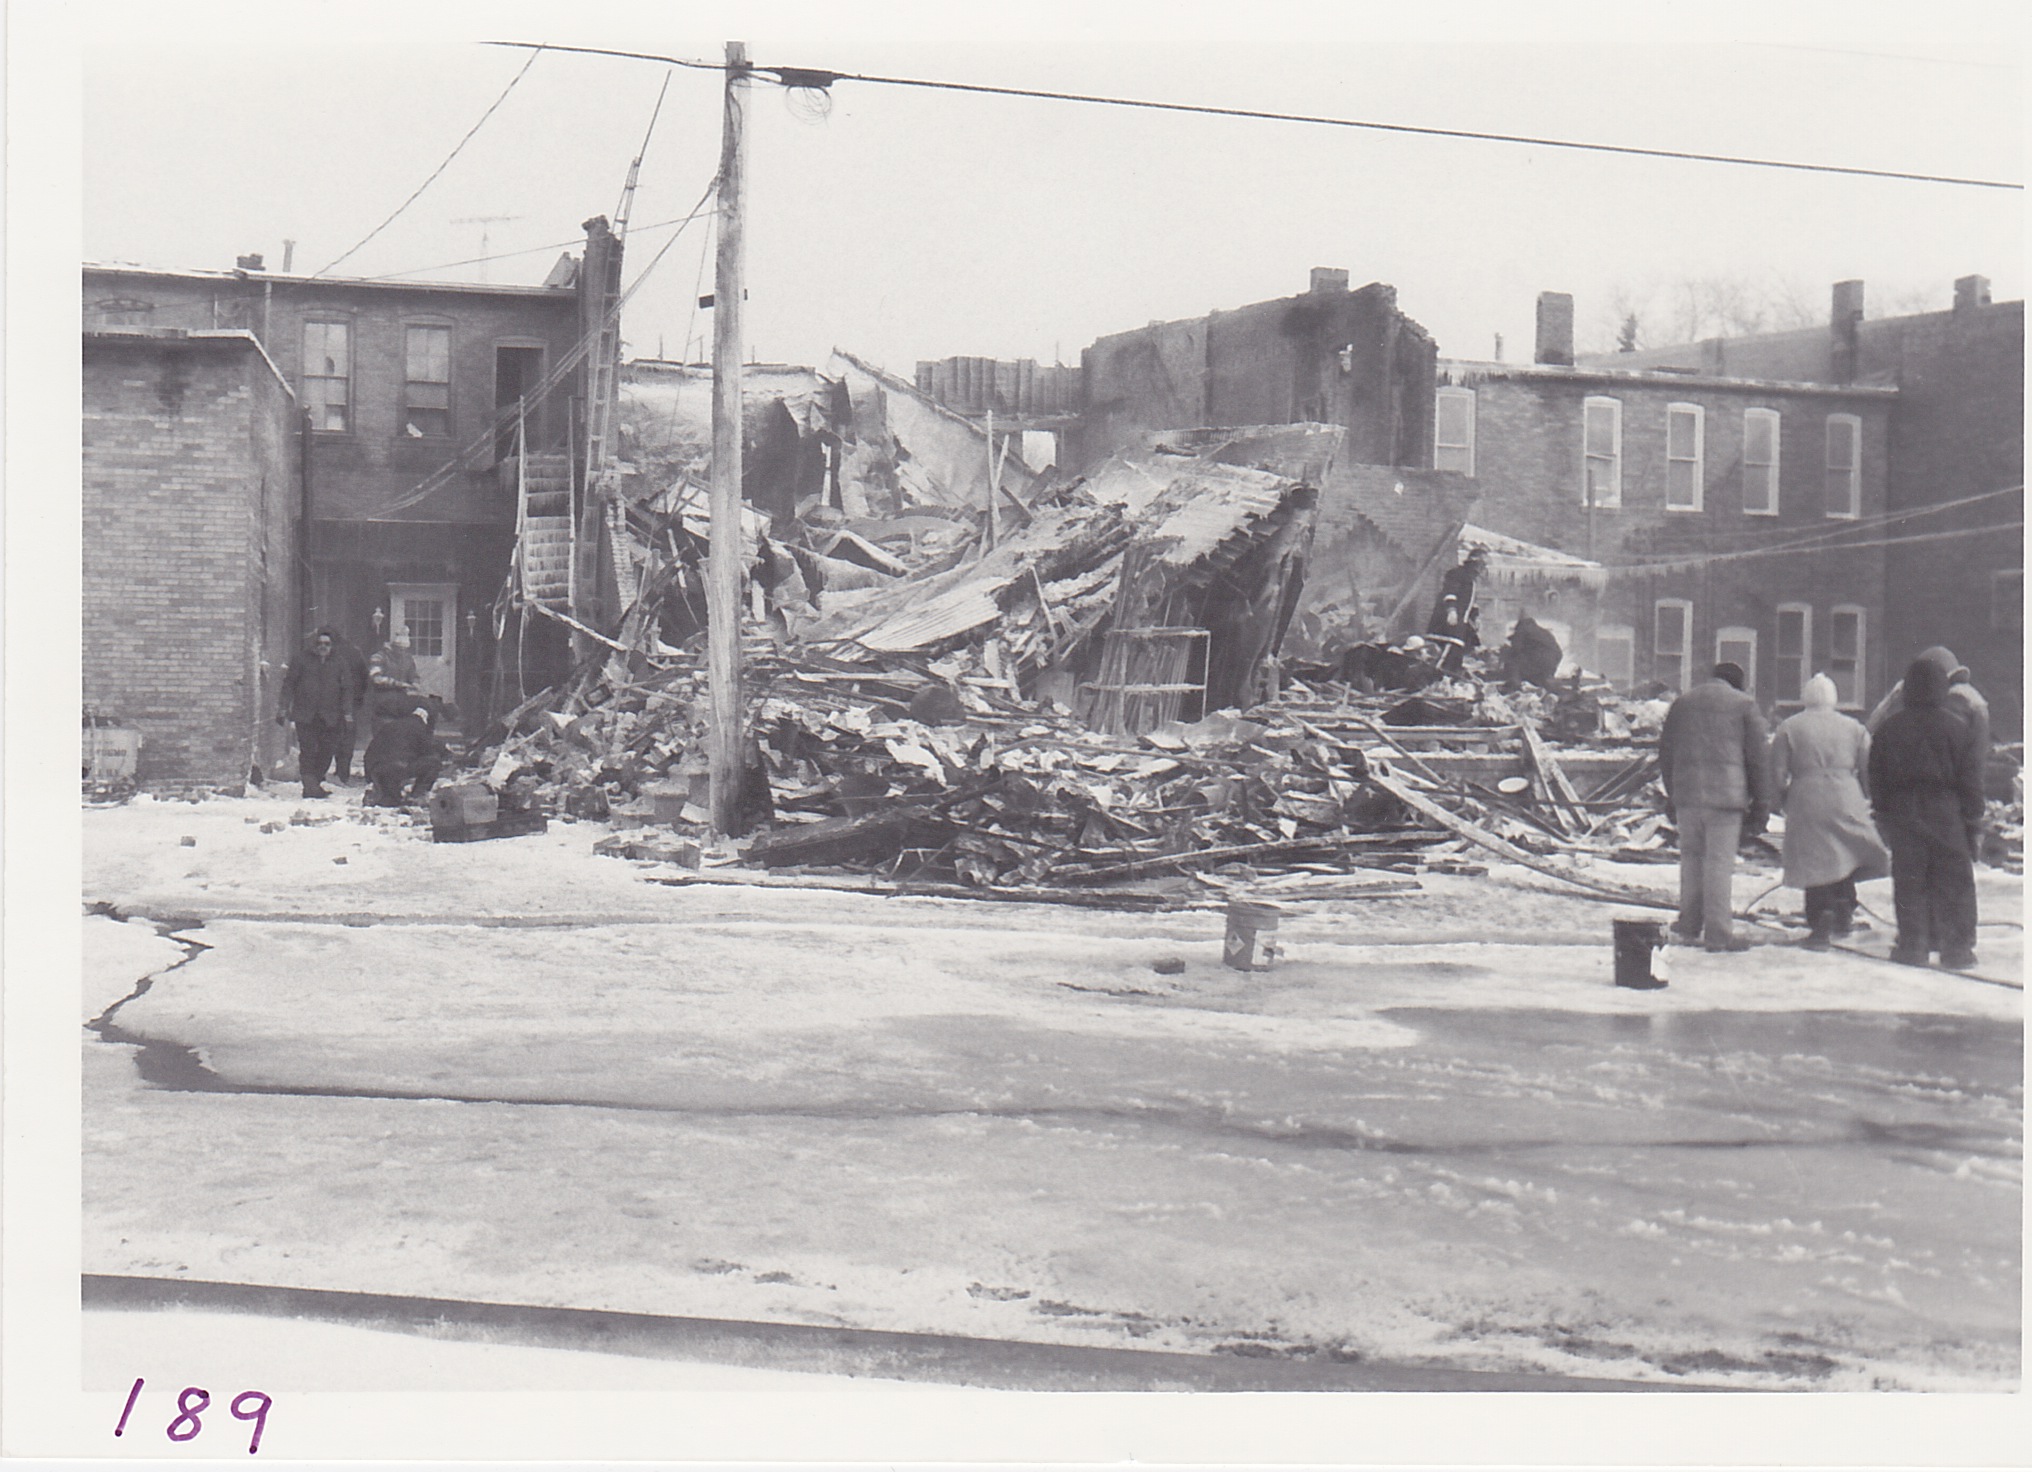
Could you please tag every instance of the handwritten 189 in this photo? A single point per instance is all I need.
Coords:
(191, 1404)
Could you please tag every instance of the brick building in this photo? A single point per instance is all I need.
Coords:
(1734, 518)
(1954, 572)
(192, 459)
(409, 392)
(1347, 359)
(1330, 356)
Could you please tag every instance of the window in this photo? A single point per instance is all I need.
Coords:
(1616, 654)
(1672, 643)
(1739, 647)
(424, 617)
(1845, 655)
(1760, 462)
(1602, 452)
(1844, 466)
(1685, 446)
(1453, 430)
(327, 375)
(1792, 661)
(2007, 599)
(427, 382)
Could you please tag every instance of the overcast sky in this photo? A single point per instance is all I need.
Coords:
(911, 224)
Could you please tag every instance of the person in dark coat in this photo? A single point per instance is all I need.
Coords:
(356, 673)
(1713, 755)
(318, 695)
(1926, 784)
(404, 754)
(1533, 654)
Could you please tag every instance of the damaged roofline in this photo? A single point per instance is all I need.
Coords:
(201, 334)
(889, 380)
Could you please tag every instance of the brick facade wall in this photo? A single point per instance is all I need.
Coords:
(188, 471)
(1959, 433)
(1528, 463)
(460, 534)
(1341, 357)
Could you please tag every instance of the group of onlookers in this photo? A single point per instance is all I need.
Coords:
(330, 692)
(1901, 794)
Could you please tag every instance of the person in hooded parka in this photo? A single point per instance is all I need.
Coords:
(1819, 762)
(1926, 786)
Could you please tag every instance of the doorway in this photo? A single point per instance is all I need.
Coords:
(517, 372)
(430, 611)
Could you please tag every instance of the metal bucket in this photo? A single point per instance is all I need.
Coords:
(1251, 943)
(1635, 941)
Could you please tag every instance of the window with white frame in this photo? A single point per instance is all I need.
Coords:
(2007, 598)
(1845, 648)
(1685, 455)
(1453, 430)
(328, 375)
(1738, 646)
(427, 382)
(1616, 654)
(1792, 656)
(1601, 452)
(1672, 642)
(1760, 462)
(1844, 466)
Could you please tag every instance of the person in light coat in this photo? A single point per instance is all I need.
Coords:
(1714, 757)
(1819, 761)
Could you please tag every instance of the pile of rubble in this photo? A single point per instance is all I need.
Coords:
(936, 775)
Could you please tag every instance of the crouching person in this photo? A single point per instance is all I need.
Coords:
(1926, 783)
(404, 756)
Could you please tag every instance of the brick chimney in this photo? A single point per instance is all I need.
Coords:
(1555, 328)
(1971, 292)
(1328, 278)
(1844, 321)
(249, 263)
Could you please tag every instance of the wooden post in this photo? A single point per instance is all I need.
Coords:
(994, 480)
(723, 562)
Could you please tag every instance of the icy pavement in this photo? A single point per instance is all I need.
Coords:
(805, 1107)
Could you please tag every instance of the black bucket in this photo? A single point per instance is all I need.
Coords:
(1635, 941)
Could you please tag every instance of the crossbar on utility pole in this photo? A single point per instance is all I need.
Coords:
(723, 562)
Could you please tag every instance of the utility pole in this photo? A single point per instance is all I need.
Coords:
(723, 562)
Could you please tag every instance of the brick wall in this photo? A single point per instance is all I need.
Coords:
(373, 461)
(186, 471)
(1959, 433)
(1528, 463)
(1328, 357)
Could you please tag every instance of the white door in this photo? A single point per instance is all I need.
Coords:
(430, 611)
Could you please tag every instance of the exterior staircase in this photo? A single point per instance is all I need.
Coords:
(546, 531)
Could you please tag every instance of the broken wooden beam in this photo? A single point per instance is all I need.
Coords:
(1418, 802)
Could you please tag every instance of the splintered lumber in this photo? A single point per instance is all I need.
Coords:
(1474, 833)
(1559, 791)
(1327, 843)
(1090, 899)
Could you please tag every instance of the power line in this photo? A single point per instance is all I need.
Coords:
(505, 255)
(443, 166)
(1749, 554)
(1826, 537)
(503, 416)
(818, 79)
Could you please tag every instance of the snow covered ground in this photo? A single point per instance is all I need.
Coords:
(1436, 1135)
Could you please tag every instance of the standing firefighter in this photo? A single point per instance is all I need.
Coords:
(1926, 782)
(1819, 759)
(1713, 757)
(318, 695)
